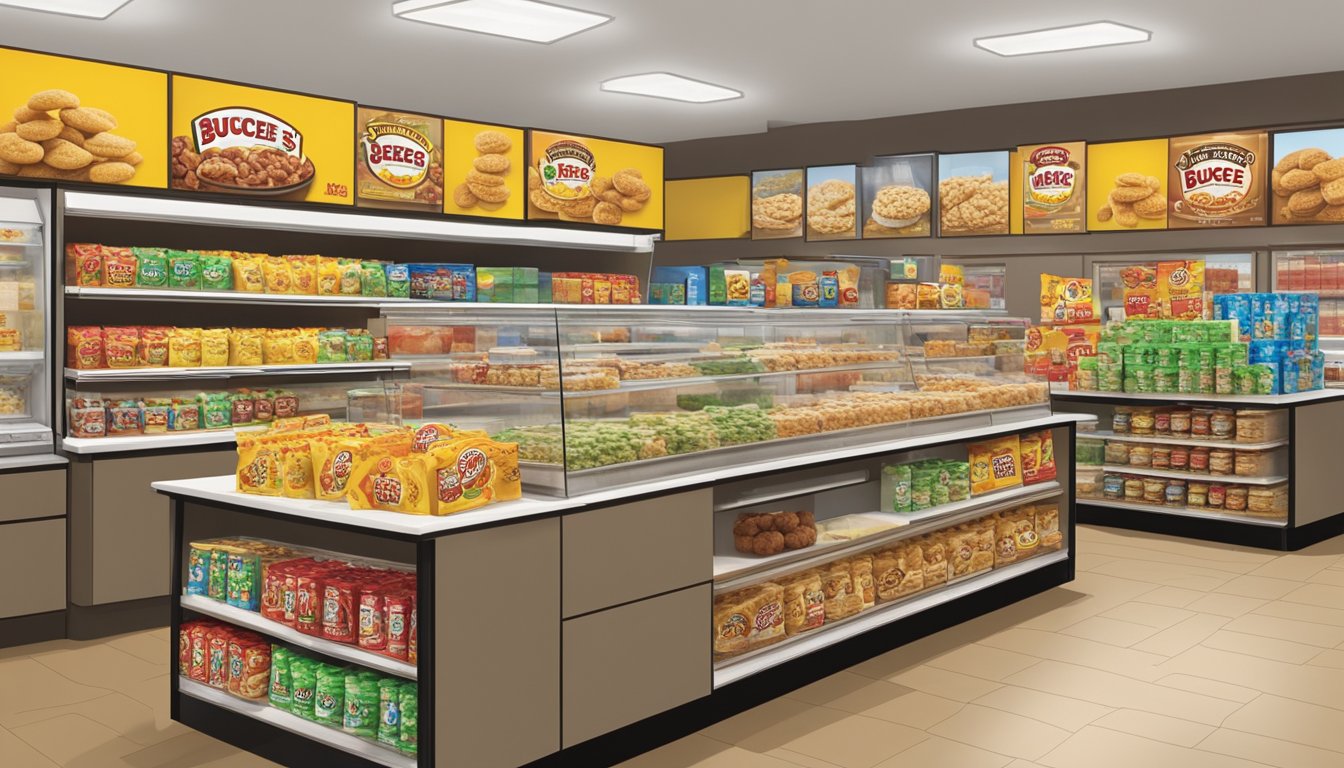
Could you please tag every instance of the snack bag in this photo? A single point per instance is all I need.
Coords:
(358, 345)
(125, 417)
(1038, 457)
(119, 268)
(277, 347)
(245, 346)
(507, 479)
(151, 269)
(1181, 288)
(259, 467)
(372, 278)
(216, 271)
(184, 348)
(351, 277)
(216, 410)
(185, 415)
(242, 408)
(328, 277)
(247, 273)
(157, 414)
(848, 278)
(215, 347)
(84, 264)
(331, 346)
(391, 483)
(463, 475)
(1141, 294)
(152, 349)
(306, 346)
(995, 464)
(398, 278)
(120, 347)
(303, 274)
(297, 464)
(333, 461)
(265, 406)
(184, 270)
(276, 275)
(767, 615)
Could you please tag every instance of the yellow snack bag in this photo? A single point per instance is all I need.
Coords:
(245, 346)
(303, 274)
(333, 460)
(277, 347)
(184, 348)
(426, 436)
(276, 275)
(297, 465)
(328, 277)
(305, 346)
(214, 347)
(247, 274)
(995, 464)
(258, 467)
(508, 478)
(391, 483)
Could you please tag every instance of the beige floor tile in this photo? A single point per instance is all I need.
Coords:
(17, 753)
(795, 758)
(1143, 541)
(1230, 606)
(1174, 597)
(1094, 594)
(1315, 614)
(1001, 732)
(1295, 567)
(1283, 754)
(855, 741)
(1207, 687)
(1262, 587)
(1112, 690)
(1328, 576)
(1290, 720)
(768, 726)
(935, 751)
(25, 684)
(1060, 711)
(191, 749)
(897, 704)
(1319, 685)
(1308, 632)
(830, 688)
(948, 685)
(1172, 730)
(1078, 650)
(1095, 747)
(702, 752)
(1263, 647)
(147, 646)
(1024, 764)
(241, 759)
(1110, 631)
(1149, 614)
(1195, 558)
(983, 661)
(1154, 572)
(124, 715)
(1090, 562)
(74, 740)
(101, 665)
(153, 693)
(1324, 595)
(24, 651)
(1332, 658)
(1182, 636)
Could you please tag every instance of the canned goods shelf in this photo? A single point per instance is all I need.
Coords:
(1196, 443)
(1126, 469)
(253, 621)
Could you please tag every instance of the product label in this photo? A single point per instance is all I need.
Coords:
(1215, 177)
(1052, 179)
(397, 154)
(566, 169)
(245, 127)
(1218, 180)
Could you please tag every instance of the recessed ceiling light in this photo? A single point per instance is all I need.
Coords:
(665, 85)
(1093, 35)
(93, 9)
(529, 20)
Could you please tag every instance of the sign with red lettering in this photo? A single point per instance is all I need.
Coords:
(400, 161)
(594, 181)
(1217, 180)
(1053, 187)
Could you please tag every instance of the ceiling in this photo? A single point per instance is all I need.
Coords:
(797, 62)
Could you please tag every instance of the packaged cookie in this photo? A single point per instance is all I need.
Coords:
(804, 602)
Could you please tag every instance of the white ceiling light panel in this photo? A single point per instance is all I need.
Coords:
(1093, 35)
(665, 85)
(530, 20)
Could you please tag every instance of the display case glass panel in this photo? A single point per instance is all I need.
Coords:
(25, 413)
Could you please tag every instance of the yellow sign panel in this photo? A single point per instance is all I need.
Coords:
(483, 170)
(594, 181)
(240, 140)
(712, 208)
(75, 120)
(1119, 174)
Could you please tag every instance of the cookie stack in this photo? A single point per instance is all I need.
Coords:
(53, 137)
(1134, 197)
(1309, 186)
(831, 208)
(485, 180)
(609, 198)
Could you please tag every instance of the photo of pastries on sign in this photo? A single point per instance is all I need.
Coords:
(1135, 196)
(973, 194)
(896, 196)
(1308, 177)
(259, 170)
(484, 184)
(832, 204)
(776, 204)
(567, 183)
(54, 136)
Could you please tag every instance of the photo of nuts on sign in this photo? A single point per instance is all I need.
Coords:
(54, 135)
(241, 151)
(1308, 177)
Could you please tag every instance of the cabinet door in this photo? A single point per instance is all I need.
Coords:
(628, 663)
(32, 568)
(29, 495)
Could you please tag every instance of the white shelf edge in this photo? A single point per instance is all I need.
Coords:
(798, 646)
(1199, 476)
(23, 356)
(1183, 512)
(1171, 398)
(92, 445)
(915, 523)
(254, 621)
(140, 208)
(229, 371)
(234, 297)
(1159, 440)
(264, 712)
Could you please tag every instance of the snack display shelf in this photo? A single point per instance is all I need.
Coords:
(1205, 514)
(90, 445)
(230, 371)
(1202, 476)
(735, 571)
(254, 621)
(16, 244)
(22, 356)
(13, 265)
(1169, 398)
(264, 712)
(234, 297)
(799, 646)
(1160, 440)
(22, 449)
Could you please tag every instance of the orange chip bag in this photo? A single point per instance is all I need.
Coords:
(184, 347)
(276, 275)
(259, 467)
(120, 347)
(247, 273)
(995, 464)
(391, 483)
(303, 274)
(463, 475)
(152, 351)
(119, 267)
(84, 347)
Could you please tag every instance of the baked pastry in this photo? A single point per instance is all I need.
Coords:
(898, 205)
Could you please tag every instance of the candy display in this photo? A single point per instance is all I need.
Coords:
(93, 347)
(799, 602)
(90, 415)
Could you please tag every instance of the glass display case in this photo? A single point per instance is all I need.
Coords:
(1223, 273)
(25, 412)
(1320, 272)
(601, 397)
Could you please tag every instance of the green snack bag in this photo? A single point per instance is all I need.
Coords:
(409, 737)
(329, 695)
(216, 273)
(280, 693)
(152, 267)
(718, 285)
(303, 685)
(922, 480)
(216, 410)
(217, 579)
(960, 487)
(358, 345)
(184, 270)
(373, 279)
(398, 281)
(896, 487)
(331, 346)
(361, 706)
(389, 711)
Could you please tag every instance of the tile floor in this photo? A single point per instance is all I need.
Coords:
(1164, 653)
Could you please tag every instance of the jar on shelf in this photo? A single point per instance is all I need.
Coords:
(1120, 421)
(1142, 422)
(1133, 488)
(1180, 458)
(1222, 461)
(1180, 422)
(1154, 490)
(1141, 456)
(1223, 424)
(1217, 496)
(1161, 457)
(1201, 426)
(1196, 494)
(1113, 486)
(1117, 452)
(1176, 493)
(1199, 460)
(1162, 422)
(1237, 498)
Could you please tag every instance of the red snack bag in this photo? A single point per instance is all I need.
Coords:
(121, 346)
(397, 606)
(119, 268)
(184, 648)
(198, 664)
(217, 658)
(235, 672)
(339, 612)
(372, 631)
(273, 590)
(152, 350)
(84, 347)
(412, 652)
(256, 671)
(84, 265)
(309, 594)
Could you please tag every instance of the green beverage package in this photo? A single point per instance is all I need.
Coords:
(151, 267)
(280, 693)
(329, 695)
(216, 272)
(373, 278)
(361, 705)
(302, 686)
(409, 737)
(389, 711)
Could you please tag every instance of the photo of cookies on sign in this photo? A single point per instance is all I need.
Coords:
(832, 203)
(485, 185)
(566, 183)
(895, 196)
(1307, 180)
(55, 136)
(1126, 184)
(1134, 197)
(973, 194)
(776, 204)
